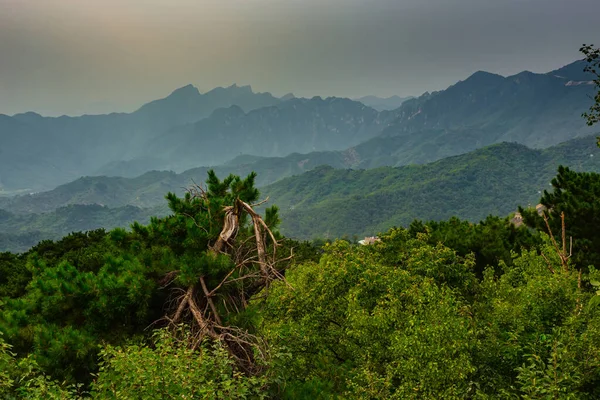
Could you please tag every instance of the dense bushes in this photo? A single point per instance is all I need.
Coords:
(376, 329)
(404, 319)
(169, 369)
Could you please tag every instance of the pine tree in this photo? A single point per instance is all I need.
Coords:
(577, 195)
(201, 265)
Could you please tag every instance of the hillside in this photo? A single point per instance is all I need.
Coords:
(323, 202)
(327, 202)
(20, 232)
(149, 189)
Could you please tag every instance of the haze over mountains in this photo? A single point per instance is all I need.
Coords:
(236, 130)
(40, 152)
(188, 129)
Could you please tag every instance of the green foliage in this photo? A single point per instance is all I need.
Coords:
(491, 241)
(169, 369)
(66, 311)
(595, 300)
(404, 318)
(14, 275)
(517, 310)
(374, 327)
(577, 195)
(446, 309)
(592, 57)
(557, 377)
(84, 249)
(65, 298)
(6, 366)
(23, 379)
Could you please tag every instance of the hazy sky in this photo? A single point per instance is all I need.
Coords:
(77, 56)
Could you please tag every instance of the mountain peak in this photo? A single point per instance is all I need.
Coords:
(288, 96)
(28, 116)
(245, 88)
(185, 91)
(484, 75)
(184, 95)
(481, 78)
(233, 111)
(573, 72)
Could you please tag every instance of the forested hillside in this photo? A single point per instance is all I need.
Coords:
(494, 180)
(322, 202)
(148, 190)
(213, 306)
(20, 232)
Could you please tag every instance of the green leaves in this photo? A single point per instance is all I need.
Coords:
(67, 297)
(592, 56)
(169, 369)
(372, 328)
(577, 194)
(192, 267)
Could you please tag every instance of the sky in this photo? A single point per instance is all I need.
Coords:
(96, 56)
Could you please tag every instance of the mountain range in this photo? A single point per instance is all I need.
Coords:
(188, 129)
(38, 153)
(335, 166)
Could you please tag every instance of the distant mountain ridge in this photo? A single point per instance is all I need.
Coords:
(383, 103)
(41, 152)
(187, 129)
(525, 107)
(187, 105)
(537, 110)
(296, 125)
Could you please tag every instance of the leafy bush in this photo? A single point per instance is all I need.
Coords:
(170, 369)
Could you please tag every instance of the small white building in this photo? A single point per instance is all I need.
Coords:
(369, 240)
